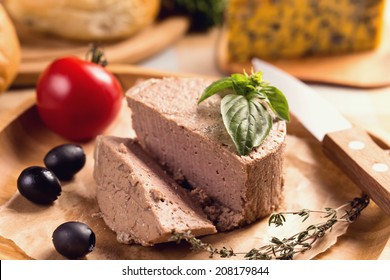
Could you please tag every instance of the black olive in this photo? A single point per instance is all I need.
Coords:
(65, 160)
(39, 185)
(74, 240)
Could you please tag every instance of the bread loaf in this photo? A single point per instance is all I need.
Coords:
(85, 20)
(9, 51)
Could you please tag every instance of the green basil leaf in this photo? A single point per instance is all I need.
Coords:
(246, 120)
(240, 84)
(216, 87)
(256, 78)
(240, 78)
(277, 102)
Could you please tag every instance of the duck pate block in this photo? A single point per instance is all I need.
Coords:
(138, 200)
(191, 142)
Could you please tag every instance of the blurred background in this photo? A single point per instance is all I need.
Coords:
(341, 48)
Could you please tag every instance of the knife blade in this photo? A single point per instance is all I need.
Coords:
(348, 146)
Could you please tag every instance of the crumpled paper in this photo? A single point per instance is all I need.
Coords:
(311, 182)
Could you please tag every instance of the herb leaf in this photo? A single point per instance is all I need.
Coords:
(216, 87)
(243, 110)
(247, 121)
(240, 84)
(277, 102)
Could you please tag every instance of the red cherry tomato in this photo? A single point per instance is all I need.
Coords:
(78, 99)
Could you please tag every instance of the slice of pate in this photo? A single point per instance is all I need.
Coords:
(137, 199)
(191, 142)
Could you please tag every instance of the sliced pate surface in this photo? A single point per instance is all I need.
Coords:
(138, 200)
(191, 142)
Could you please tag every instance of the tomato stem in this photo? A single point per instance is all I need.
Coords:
(97, 55)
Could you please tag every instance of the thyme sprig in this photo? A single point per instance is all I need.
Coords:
(198, 245)
(286, 248)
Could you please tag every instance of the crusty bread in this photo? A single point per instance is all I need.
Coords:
(9, 51)
(85, 20)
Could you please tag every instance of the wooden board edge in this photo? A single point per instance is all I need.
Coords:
(10, 251)
(301, 68)
(128, 75)
(9, 116)
(157, 35)
(127, 51)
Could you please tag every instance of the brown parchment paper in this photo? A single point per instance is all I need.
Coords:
(311, 181)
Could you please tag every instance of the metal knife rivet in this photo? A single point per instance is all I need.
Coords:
(356, 145)
(380, 167)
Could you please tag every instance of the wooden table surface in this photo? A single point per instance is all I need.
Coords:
(196, 54)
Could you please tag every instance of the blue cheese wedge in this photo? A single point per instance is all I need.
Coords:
(297, 28)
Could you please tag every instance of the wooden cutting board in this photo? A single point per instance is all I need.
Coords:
(39, 50)
(368, 69)
(24, 140)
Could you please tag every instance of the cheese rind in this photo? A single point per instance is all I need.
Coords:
(297, 28)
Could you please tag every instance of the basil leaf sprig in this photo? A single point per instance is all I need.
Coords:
(248, 108)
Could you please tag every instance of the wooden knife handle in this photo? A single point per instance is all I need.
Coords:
(363, 161)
